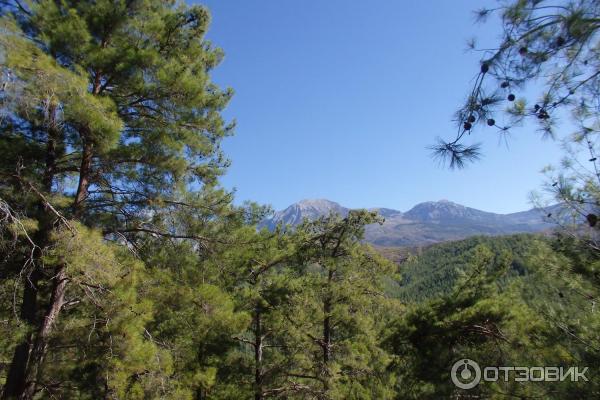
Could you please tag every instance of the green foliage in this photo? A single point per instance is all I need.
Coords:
(519, 304)
(128, 273)
(436, 271)
(343, 296)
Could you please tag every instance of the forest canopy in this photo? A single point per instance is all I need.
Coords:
(129, 272)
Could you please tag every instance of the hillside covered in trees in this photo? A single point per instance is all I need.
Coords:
(128, 272)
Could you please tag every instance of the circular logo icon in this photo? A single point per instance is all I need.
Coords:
(465, 374)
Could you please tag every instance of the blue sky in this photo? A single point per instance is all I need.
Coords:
(339, 99)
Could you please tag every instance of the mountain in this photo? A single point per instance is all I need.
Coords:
(305, 209)
(445, 211)
(426, 223)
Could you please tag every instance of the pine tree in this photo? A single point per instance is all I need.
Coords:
(261, 286)
(109, 118)
(342, 311)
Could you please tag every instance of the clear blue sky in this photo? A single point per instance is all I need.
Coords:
(339, 99)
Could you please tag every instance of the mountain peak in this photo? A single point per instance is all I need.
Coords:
(305, 209)
(445, 210)
(442, 202)
(316, 203)
(425, 223)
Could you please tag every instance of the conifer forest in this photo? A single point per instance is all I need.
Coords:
(128, 270)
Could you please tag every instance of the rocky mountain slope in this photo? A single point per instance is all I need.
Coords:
(425, 223)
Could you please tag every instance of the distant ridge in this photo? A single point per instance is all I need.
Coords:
(425, 223)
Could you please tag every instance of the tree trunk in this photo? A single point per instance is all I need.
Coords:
(50, 168)
(84, 176)
(15, 379)
(258, 350)
(327, 331)
(38, 352)
(23, 356)
(17, 372)
(85, 169)
(327, 321)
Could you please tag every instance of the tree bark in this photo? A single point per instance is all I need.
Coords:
(258, 354)
(38, 352)
(327, 331)
(15, 379)
(85, 171)
(327, 321)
